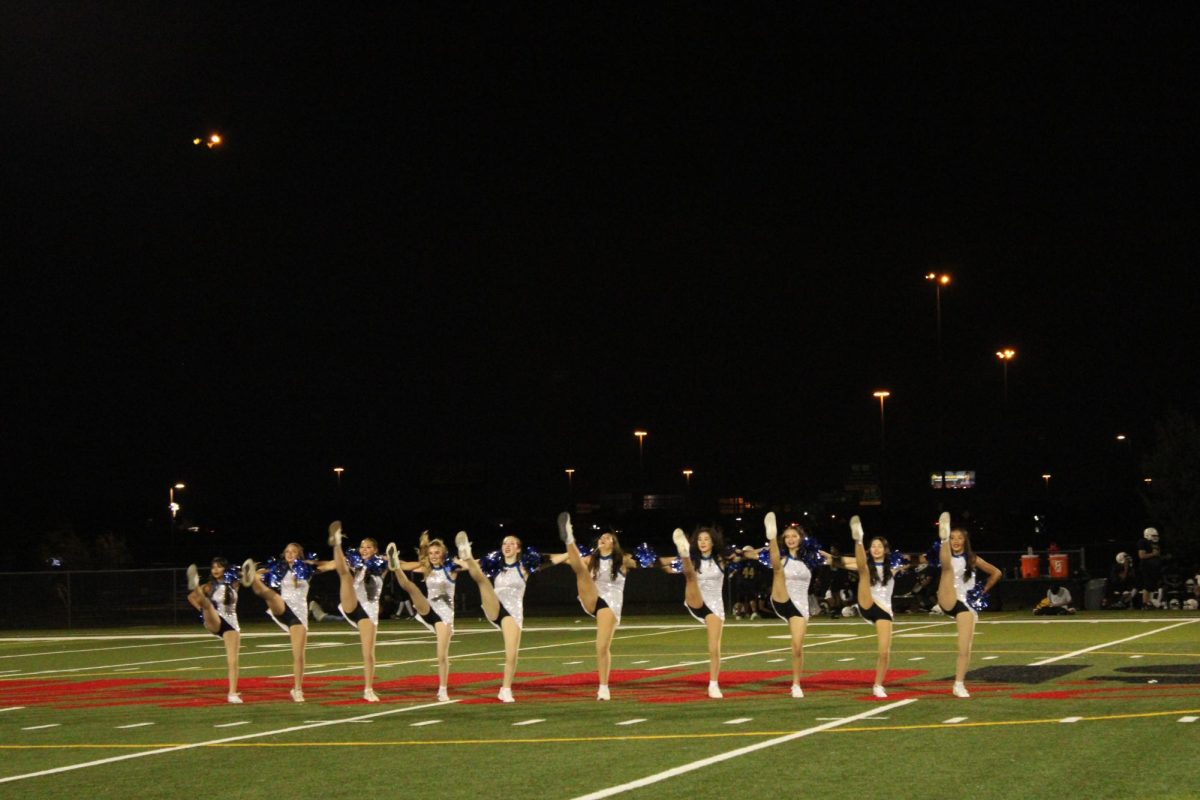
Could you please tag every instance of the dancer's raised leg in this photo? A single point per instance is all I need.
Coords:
(585, 585)
(487, 592)
(945, 593)
(346, 594)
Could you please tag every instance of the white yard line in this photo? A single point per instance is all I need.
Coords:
(178, 748)
(1045, 661)
(807, 646)
(741, 751)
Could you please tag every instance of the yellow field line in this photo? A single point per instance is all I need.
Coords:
(571, 739)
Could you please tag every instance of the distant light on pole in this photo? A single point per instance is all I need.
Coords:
(687, 476)
(938, 279)
(337, 471)
(570, 471)
(1006, 355)
(171, 504)
(882, 394)
(641, 437)
(1046, 477)
(1120, 437)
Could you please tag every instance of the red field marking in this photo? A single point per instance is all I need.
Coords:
(1116, 692)
(644, 686)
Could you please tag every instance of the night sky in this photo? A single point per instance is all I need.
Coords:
(458, 248)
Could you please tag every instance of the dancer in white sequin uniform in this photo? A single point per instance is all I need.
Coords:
(959, 563)
(503, 599)
(703, 596)
(217, 601)
(288, 607)
(600, 582)
(358, 595)
(875, 584)
(434, 606)
(790, 580)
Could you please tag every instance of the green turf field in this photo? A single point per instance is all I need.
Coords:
(1099, 705)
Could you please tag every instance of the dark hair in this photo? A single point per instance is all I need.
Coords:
(967, 552)
(230, 591)
(618, 555)
(887, 563)
(784, 550)
(718, 545)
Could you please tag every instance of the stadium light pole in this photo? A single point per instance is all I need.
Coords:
(1006, 355)
(337, 471)
(641, 437)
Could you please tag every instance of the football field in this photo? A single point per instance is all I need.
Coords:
(1098, 705)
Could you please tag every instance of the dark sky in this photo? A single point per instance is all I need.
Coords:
(488, 240)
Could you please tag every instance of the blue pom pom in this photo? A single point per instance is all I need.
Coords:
(531, 559)
(677, 564)
(644, 555)
(490, 564)
(896, 560)
(376, 565)
(310, 556)
(584, 550)
(977, 598)
(810, 553)
(353, 559)
(764, 557)
(276, 569)
(232, 576)
(302, 570)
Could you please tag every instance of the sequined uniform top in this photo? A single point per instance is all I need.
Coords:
(361, 580)
(958, 564)
(881, 593)
(711, 579)
(221, 593)
(439, 590)
(295, 593)
(610, 588)
(510, 591)
(797, 577)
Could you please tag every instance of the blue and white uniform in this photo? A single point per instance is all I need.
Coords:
(363, 580)
(711, 580)
(510, 591)
(224, 600)
(611, 588)
(797, 577)
(881, 593)
(962, 584)
(295, 594)
(439, 589)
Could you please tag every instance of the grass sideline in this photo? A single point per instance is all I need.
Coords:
(1110, 721)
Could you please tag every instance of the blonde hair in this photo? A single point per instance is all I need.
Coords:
(423, 545)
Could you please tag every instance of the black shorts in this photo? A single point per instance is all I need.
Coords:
(225, 628)
(959, 608)
(786, 611)
(289, 617)
(699, 614)
(875, 613)
(430, 619)
(599, 605)
(356, 616)
(499, 617)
